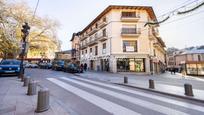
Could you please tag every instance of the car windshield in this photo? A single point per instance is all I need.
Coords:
(10, 62)
(60, 62)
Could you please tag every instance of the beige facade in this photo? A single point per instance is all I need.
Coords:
(190, 61)
(117, 41)
(75, 47)
(63, 55)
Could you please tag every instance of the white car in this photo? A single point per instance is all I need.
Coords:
(33, 65)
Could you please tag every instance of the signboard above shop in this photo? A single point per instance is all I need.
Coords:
(130, 48)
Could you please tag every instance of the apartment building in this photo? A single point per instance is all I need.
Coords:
(192, 61)
(117, 41)
(75, 47)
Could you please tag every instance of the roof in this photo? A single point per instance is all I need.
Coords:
(74, 34)
(194, 51)
(149, 9)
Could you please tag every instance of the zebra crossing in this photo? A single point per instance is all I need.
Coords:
(168, 106)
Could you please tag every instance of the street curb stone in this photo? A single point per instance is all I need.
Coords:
(165, 93)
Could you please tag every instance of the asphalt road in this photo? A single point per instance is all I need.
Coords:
(81, 96)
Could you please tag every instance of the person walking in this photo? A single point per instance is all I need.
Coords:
(171, 70)
(174, 70)
(82, 67)
(183, 73)
(85, 66)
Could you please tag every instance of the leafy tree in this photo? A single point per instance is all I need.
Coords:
(42, 34)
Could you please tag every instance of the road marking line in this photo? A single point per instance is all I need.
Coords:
(136, 101)
(98, 101)
(163, 99)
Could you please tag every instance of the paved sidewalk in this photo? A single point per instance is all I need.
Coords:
(14, 101)
(164, 83)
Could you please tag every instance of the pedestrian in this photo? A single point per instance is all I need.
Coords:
(85, 67)
(171, 70)
(174, 70)
(82, 67)
(183, 73)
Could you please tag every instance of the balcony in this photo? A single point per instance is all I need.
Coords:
(102, 37)
(153, 33)
(130, 32)
(130, 18)
(102, 24)
(84, 37)
(92, 42)
(93, 31)
(83, 46)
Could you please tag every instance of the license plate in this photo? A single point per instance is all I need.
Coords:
(9, 71)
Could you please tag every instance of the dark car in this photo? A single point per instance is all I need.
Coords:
(58, 65)
(72, 68)
(9, 66)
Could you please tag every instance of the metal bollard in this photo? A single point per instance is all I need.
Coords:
(125, 79)
(32, 88)
(43, 100)
(26, 81)
(151, 84)
(188, 89)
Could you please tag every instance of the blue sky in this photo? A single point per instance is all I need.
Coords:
(74, 15)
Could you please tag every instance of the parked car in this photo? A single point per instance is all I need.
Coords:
(33, 65)
(58, 65)
(72, 68)
(10, 66)
(45, 65)
(27, 65)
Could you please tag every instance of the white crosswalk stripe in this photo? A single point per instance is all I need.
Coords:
(136, 101)
(98, 101)
(163, 99)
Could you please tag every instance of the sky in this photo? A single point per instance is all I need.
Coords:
(75, 15)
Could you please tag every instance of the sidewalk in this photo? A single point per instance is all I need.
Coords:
(164, 83)
(14, 101)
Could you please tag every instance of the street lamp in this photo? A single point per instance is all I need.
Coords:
(25, 30)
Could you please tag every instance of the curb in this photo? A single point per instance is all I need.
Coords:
(165, 93)
(156, 91)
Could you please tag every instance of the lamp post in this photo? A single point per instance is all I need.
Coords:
(25, 31)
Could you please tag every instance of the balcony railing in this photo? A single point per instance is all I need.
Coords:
(92, 41)
(84, 37)
(93, 31)
(131, 32)
(131, 18)
(102, 36)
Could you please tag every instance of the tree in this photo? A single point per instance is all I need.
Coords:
(12, 16)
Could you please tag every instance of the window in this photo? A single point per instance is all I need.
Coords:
(104, 19)
(129, 46)
(130, 65)
(86, 51)
(154, 52)
(129, 30)
(104, 48)
(104, 45)
(90, 50)
(82, 52)
(96, 50)
(96, 25)
(104, 32)
(199, 58)
(128, 14)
